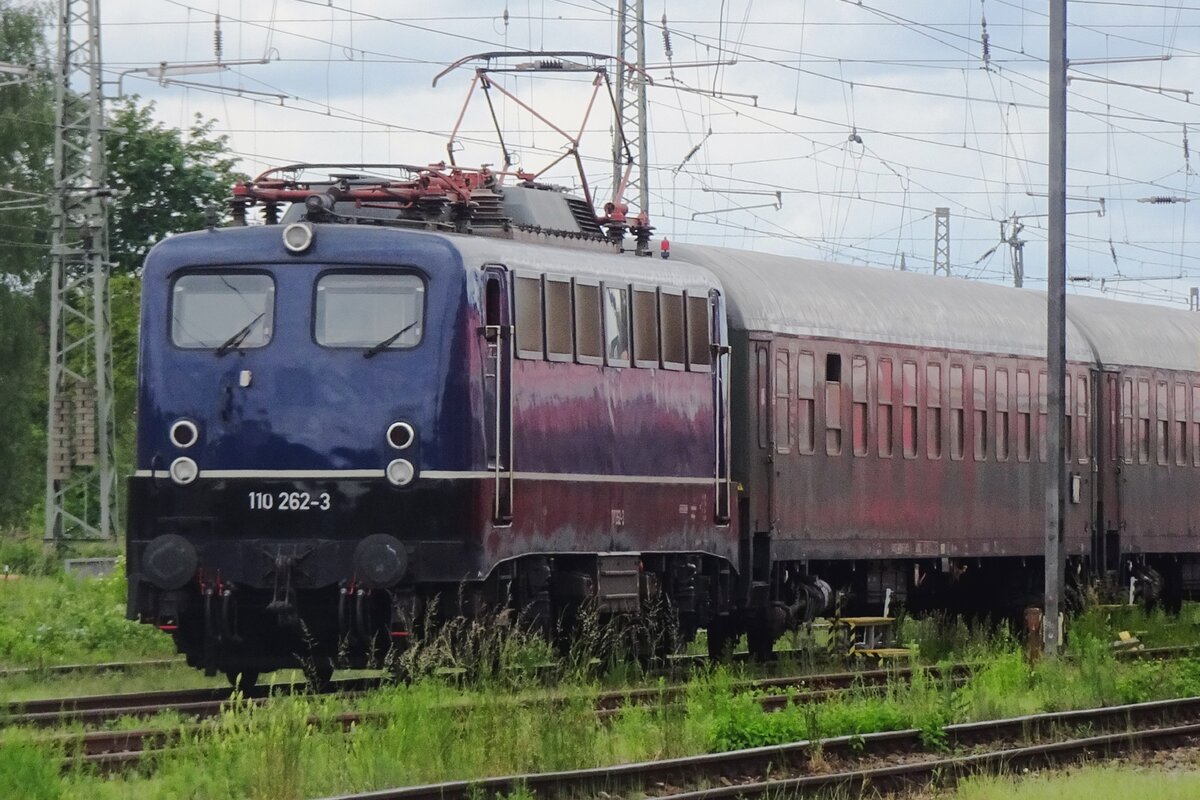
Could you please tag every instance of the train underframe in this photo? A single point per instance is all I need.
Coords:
(662, 599)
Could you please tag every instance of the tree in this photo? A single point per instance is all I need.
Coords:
(166, 180)
(26, 141)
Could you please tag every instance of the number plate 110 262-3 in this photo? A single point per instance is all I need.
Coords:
(289, 501)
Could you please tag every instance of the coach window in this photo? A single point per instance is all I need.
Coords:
(377, 311)
(1127, 420)
(698, 321)
(559, 346)
(530, 323)
(645, 327)
(884, 425)
(979, 405)
(1043, 407)
(589, 338)
(210, 309)
(616, 325)
(1196, 426)
(1163, 420)
(1083, 442)
(1143, 407)
(957, 440)
(858, 385)
(1002, 414)
(783, 401)
(908, 399)
(1024, 419)
(673, 332)
(933, 410)
(1181, 439)
(806, 392)
(833, 404)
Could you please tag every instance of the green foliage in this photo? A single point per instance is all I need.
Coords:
(167, 179)
(28, 769)
(23, 390)
(1094, 783)
(26, 139)
(26, 557)
(62, 619)
(126, 294)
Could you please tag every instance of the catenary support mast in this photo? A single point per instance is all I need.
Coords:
(631, 103)
(1056, 315)
(81, 475)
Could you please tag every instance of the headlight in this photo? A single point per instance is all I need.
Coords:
(184, 433)
(400, 435)
(297, 237)
(184, 470)
(400, 472)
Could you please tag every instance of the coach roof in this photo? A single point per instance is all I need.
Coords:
(767, 292)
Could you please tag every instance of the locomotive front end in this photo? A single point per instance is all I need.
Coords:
(292, 387)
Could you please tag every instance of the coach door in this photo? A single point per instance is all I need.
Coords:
(1113, 428)
(720, 382)
(497, 336)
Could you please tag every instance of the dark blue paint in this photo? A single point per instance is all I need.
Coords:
(308, 407)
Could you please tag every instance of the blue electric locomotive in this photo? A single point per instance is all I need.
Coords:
(339, 422)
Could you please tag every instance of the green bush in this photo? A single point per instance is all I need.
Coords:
(25, 557)
(63, 619)
(28, 770)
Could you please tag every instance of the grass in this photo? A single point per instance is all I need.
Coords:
(455, 719)
(1094, 783)
(60, 619)
(434, 730)
(39, 685)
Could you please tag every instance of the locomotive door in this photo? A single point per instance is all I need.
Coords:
(497, 336)
(1110, 447)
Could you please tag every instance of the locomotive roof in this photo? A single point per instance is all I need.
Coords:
(550, 260)
(767, 292)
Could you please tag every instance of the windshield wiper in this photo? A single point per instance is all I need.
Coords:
(233, 341)
(386, 343)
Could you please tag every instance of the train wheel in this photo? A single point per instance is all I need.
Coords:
(720, 640)
(760, 642)
(242, 680)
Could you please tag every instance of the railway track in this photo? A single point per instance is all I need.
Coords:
(206, 702)
(880, 761)
(93, 669)
(114, 750)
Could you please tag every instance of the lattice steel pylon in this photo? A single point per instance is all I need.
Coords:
(81, 473)
(941, 241)
(631, 104)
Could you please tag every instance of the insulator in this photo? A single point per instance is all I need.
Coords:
(987, 50)
(666, 34)
(1186, 153)
(218, 39)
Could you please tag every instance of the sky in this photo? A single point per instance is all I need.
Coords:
(829, 129)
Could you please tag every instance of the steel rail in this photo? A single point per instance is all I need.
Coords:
(104, 666)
